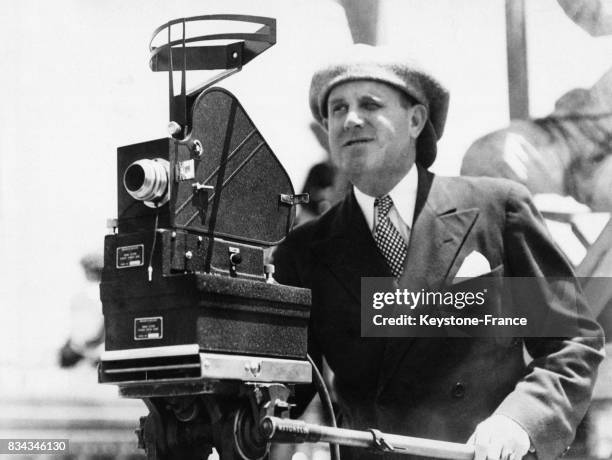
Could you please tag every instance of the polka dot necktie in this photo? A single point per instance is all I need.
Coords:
(387, 238)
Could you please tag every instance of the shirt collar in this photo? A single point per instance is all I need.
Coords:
(403, 196)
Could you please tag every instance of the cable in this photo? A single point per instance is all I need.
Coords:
(150, 267)
(334, 449)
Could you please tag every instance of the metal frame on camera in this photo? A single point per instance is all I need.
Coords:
(185, 364)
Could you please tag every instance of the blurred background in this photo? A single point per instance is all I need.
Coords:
(531, 99)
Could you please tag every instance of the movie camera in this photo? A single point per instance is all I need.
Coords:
(195, 325)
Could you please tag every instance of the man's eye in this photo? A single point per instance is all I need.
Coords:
(371, 105)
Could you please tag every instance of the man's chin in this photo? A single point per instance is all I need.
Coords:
(355, 159)
(362, 178)
(355, 169)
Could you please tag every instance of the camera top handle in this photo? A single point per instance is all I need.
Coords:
(175, 55)
(210, 57)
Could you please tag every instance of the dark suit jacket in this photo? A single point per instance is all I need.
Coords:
(441, 388)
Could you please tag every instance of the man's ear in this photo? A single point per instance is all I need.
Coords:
(418, 118)
(321, 134)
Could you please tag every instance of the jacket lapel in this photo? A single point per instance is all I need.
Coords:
(350, 251)
(437, 235)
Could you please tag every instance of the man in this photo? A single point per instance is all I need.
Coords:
(383, 117)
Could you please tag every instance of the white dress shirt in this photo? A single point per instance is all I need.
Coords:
(404, 201)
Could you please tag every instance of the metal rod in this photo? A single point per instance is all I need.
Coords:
(518, 75)
(295, 431)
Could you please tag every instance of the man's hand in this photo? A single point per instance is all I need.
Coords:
(499, 438)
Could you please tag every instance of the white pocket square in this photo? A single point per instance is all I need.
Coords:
(475, 264)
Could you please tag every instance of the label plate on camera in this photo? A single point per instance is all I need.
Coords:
(130, 256)
(148, 328)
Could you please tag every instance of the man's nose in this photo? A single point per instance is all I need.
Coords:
(353, 119)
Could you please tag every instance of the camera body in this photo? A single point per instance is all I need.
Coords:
(203, 239)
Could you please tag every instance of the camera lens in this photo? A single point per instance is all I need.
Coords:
(147, 180)
(134, 178)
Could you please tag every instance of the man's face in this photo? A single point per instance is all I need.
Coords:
(372, 134)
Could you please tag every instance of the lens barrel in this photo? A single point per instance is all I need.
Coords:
(147, 180)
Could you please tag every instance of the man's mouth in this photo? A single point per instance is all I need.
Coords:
(356, 141)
